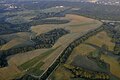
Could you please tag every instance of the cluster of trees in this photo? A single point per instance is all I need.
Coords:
(45, 40)
(2, 41)
(50, 38)
(118, 60)
(90, 75)
(3, 60)
(8, 28)
(114, 32)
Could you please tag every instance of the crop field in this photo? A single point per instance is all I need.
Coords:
(16, 42)
(101, 39)
(114, 65)
(24, 35)
(33, 61)
(16, 39)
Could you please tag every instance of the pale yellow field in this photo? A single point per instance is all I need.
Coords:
(101, 39)
(61, 74)
(114, 65)
(8, 73)
(24, 35)
(18, 59)
(16, 39)
(13, 43)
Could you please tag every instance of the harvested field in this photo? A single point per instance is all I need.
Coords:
(35, 60)
(23, 35)
(16, 42)
(8, 73)
(114, 65)
(100, 39)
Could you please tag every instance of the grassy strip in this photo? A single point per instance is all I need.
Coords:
(36, 69)
(82, 24)
(33, 61)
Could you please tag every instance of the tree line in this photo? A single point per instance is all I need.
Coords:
(2, 41)
(79, 72)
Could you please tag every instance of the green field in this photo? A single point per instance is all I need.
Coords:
(35, 60)
(36, 69)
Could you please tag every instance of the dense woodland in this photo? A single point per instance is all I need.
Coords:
(2, 41)
(45, 40)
